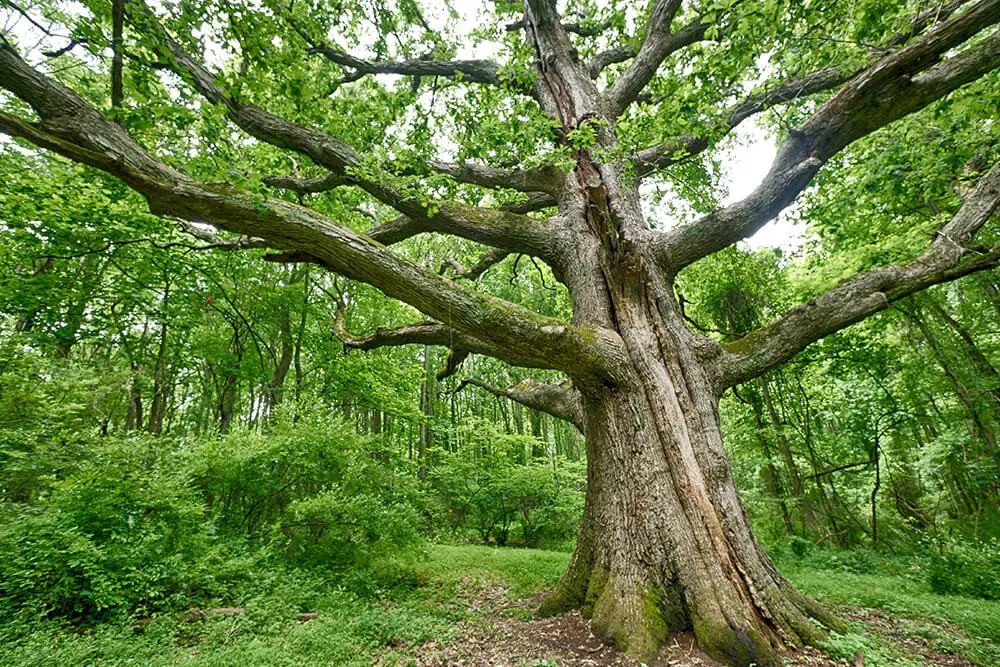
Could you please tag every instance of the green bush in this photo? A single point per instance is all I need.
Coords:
(114, 536)
(966, 569)
(339, 530)
(493, 488)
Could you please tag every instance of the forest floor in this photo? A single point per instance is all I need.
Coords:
(473, 606)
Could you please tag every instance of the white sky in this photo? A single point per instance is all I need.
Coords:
(746, 158)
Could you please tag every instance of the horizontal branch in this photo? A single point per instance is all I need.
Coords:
(73, 128)
(538, 179)
(499, 229)
(418, 333)
(949, 257)
(560, 400)
(896, 85)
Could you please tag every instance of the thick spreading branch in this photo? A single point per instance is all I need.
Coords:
(896, 85)
(827, 78)
(665, 155)
(949, 257)
(560, 400)
(73, 128)
(499, 229)
(658, 43)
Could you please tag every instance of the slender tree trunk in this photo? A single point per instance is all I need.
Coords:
(798, 488)
(133, 417)
(158, 407)
(772, 479)
(427, 392)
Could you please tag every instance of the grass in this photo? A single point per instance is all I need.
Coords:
(453, 583)
(978, 620)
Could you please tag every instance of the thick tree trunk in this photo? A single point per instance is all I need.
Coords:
(665, 543)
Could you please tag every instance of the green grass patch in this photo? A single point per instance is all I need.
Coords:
(392, 615)
(978, 620)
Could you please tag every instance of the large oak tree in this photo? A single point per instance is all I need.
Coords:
(587, 108)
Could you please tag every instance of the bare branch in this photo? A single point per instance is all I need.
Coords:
(456, 356)
(418, 333)
(949, 257)
(473, 272)
(895, 86)
(560, 400)
(606, 59)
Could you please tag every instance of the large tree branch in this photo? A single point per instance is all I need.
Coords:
(895, 86)
(664, 155)
(948, 257)
(658, 43)
(560, 400)
(671, 152)
(500, 229)
(72, 127)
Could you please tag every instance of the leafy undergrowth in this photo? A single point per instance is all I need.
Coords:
(465, 594)
(950, 624)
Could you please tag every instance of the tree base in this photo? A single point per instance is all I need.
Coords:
(637, 620)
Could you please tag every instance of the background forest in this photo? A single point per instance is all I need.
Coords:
(182, 427)
(187, 427)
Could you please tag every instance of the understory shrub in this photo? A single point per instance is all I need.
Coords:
(494, 488)
(966, 569)
(115, 535)
(135, 524)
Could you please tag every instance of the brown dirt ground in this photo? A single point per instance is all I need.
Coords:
(503, 631)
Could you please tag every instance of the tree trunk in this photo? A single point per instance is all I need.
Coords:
(665, 543)
(158, 408)
(427, 395)
(798, 489)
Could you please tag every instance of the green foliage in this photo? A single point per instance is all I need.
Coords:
(342, 529)
(139, 524)
(116, 535)
(964, 569)
(503, 491)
